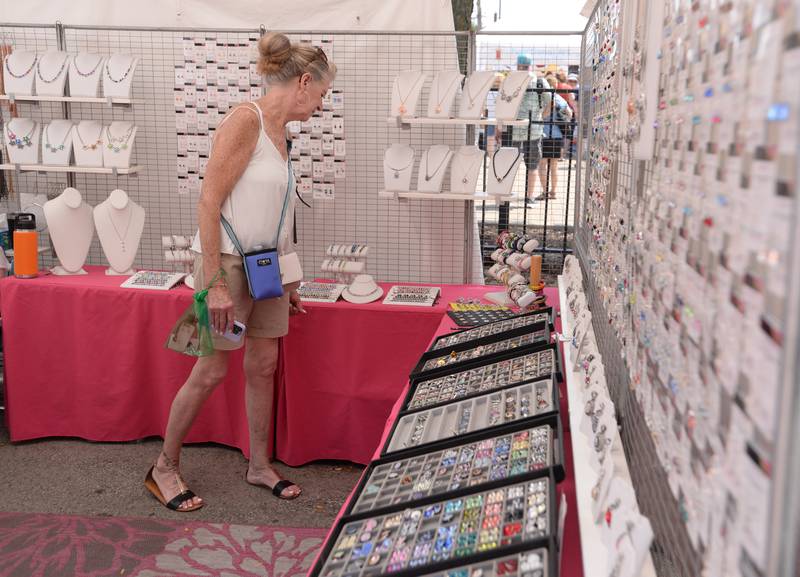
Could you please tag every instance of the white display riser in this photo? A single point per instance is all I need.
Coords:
(406, 121)
(76, 99)
(83, 169)
(412, 195)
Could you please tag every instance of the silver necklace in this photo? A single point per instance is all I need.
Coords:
(505, 97)
(429, 176)
(510, 168)
(471, 98)
(51, 147)
(57, 74)
(24, 74)
(459, 156)
(117, 143)
(438, 100)
(93, 145)
(124, 74)
(124, 235)
(92, 71)
(402, 108)
(397, 171)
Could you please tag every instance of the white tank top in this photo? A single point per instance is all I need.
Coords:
(254, 206)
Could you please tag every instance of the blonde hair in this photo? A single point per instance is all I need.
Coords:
(281, 60)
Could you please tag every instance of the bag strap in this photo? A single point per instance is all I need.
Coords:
(229, 228)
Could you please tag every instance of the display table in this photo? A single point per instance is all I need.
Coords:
(572, 561)
(86, 358)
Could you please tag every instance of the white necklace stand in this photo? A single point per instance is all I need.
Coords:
(119, 154)
(51, 73)
(473, 96)
(505, 163)
(465, 169)
(21, 127)
(57, 134)
(398, 164)
(513, 87)
(442, 93)
(69, 221)
(405, 92)
(119, 222)
(22, 64)
(87, 143)
(432, 168)
(118, 75)
(85, 71)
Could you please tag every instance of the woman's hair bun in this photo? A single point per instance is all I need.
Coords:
(274, 50)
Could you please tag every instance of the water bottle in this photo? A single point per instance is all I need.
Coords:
(26, 246)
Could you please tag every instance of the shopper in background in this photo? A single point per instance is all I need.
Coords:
(247, 176)
(530, 143)
(556, 118)
(573, 81)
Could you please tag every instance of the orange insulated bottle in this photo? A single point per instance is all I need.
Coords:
(26, 247)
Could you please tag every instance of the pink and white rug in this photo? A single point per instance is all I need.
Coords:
(41, 545)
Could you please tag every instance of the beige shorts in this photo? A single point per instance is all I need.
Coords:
(265, 319)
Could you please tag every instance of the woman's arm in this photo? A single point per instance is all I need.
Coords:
(234, 143)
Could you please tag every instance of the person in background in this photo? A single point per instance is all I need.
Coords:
(531, 145)
(573, 81)
(556, 117)
(563, 84)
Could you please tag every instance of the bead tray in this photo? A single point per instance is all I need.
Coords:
(534, 563)
(521, 323)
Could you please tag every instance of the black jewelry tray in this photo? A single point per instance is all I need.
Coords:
(546, 541)
(479, 362)
(418, 374)
(552, 420)
(492, 431)
(508, 333)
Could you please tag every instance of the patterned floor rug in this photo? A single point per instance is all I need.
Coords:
(39, 545)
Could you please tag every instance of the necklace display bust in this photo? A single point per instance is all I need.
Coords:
(85, 71)
(432, 168)
(19, 71)
(118, 139)
(444, 87)
(87, 142)
(119, 222)
(398, 164)
(511, 93)
(473, 97)
(117, 75)
(405, 92)
(502, 171)
(465, 169)
(71, 228)
(57, 142)
(21, 137)
(51, 73)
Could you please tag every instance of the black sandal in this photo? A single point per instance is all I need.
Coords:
(174, 503)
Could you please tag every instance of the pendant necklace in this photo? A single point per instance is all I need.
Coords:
(19, 141)
(505, 97)
(117, 143)
(56, 75)
(428, 175)
(54, 147)
(438, 100)
(93, 145)
(459, 156)
(24, 74)
(510, 168)
(402, 108)
(397, 171)
(124, 75)
(471, 98)
(92, 71)
(124, 235)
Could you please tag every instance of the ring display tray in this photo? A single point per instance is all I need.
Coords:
(488, 411)
(480, 317)
(417, 296)
(452, 358)
(533, 563)
(486, 375)
(320, 292)
(472, 461)
(519, 323)
(153, 280)
(469, 527)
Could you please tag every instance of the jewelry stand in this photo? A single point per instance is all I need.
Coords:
(465, 169)
(118, 72)
(19, 71)
(21, 136)
(51, 73)
(85, 71)
(432, 167)
(87, 143)
(345, 261)
(510, 95)
(118, 138)
(398, 164)
(502, 171)
(442, 93)
(513, 263)
(57, 142)
(177, 253)
(405, 92)
(474, 94)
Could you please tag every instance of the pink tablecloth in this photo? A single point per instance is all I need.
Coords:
(85, 358)
(572, 563)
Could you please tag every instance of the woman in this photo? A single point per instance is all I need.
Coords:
(246, 180)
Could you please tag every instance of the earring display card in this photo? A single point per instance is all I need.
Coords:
(321, 292)
(470, 415)
(419, 296)
(458, 467)
(464, 526)
(485, 378)
(541, 336)
(527, 564)
(517, 322)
